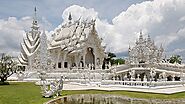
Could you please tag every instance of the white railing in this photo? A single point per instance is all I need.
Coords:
(142, 83)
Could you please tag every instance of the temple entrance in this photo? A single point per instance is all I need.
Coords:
(89, 57)
(65, 65)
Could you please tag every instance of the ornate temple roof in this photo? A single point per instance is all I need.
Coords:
(72, 35)
(145, 51)
(31, 42)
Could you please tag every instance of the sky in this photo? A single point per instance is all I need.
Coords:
(118, 22)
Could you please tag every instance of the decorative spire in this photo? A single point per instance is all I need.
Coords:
(43, 51)
(141, 32)
(140, 36)
(93, 27)
(35, 11)
(93, 23)
(35, 22)
(35, 15)
(149, 39)
(70, 17)
(129, 48)
(161, 48)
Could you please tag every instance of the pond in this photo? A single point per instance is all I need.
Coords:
(108, 99)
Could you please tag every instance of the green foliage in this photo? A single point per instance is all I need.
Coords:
(117, 61)
(175, 59)
(7, 67)
(112, 59)
(111, 55)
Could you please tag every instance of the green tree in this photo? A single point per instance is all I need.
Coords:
(111, 55)
(175, 59)
(110, 58)
(120, 61)
(7, 67)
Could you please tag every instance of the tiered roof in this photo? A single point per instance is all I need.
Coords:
(31, 42)
(72, 35)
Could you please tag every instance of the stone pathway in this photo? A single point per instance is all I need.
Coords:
(162, 90)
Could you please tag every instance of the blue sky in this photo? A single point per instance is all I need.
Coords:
(118, 21)
(52, 9)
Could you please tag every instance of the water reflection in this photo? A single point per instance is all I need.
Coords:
(97, 99)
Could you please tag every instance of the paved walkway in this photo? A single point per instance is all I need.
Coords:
(162, 90)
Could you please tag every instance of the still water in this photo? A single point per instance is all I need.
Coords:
(107, 99)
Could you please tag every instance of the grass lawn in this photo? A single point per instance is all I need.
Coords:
(29, 93)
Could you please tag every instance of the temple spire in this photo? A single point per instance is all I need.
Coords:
(161, 48)
(141, 36)
(149, 39)
(35, 15)
(35, 22)
(140, 32)
(70, 18)
(93, 21)
(129, 48)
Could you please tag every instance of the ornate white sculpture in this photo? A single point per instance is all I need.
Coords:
(125, 77)
(144, 52)
(43, 52)
(145, 79)
(138, 79)
(53, 89)
(132, 74)
(152, 74)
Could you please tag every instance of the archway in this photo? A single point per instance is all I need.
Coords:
(89, 57)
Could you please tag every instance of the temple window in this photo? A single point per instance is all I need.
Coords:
(65, 65)
(59, 65)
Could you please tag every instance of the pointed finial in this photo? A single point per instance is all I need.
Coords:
(140, 36)
(70, 17)
(141, 32)
(35, 13)
(35, 23)
(148, 39)
(129, 47)
(93, 22)
(35, 9)
(161, 47)
(35, 16)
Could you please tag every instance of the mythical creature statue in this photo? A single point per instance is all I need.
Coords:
(53, 89)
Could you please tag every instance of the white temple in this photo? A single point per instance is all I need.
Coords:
(146, 63)
(76, 52)
(75, 44)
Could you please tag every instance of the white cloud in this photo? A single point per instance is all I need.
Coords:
(11, 33)
(78, 12)
(163, 20)
(158, 18)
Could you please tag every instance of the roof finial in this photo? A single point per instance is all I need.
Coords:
(35, 9)
(141, 32)
(70, 17)
(140, 36)
(93, 22)
(129, 46)
(35, 23)
(35, 14)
